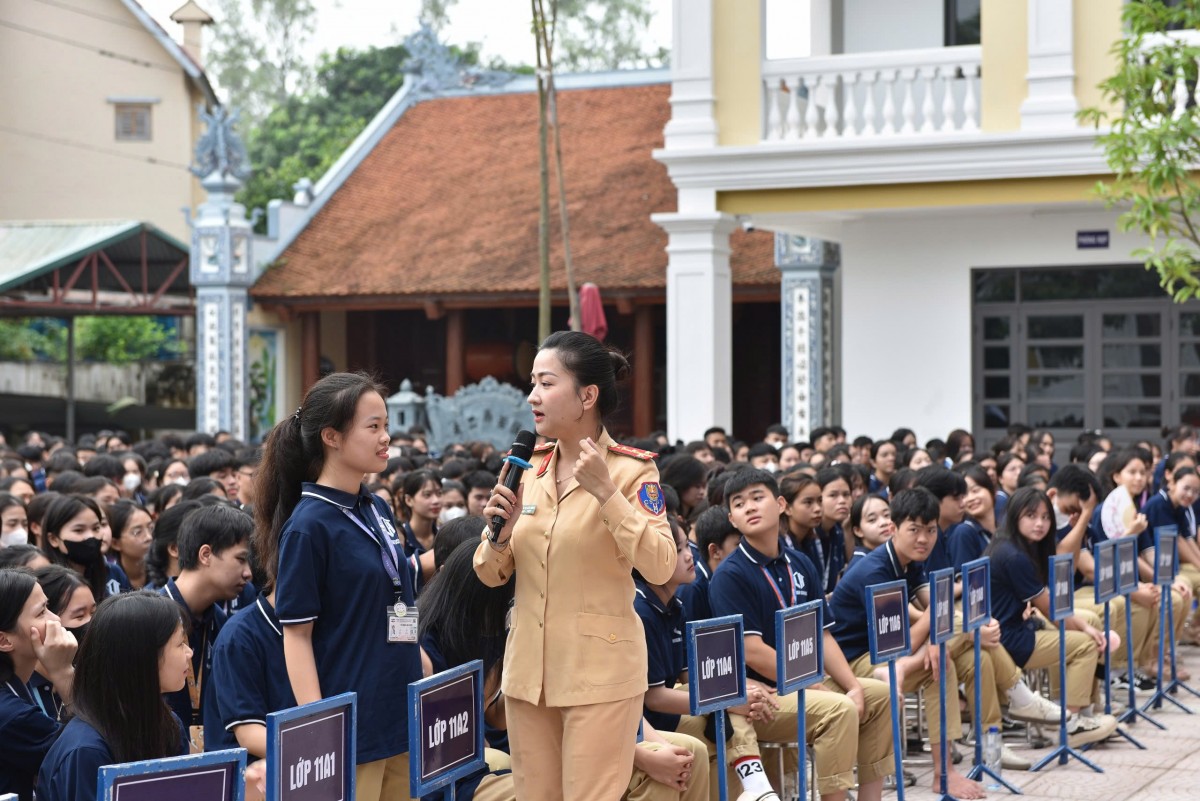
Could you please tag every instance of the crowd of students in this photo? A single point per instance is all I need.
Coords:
(164, 596)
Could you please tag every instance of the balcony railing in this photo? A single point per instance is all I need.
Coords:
(897, 93)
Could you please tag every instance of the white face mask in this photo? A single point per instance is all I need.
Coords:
(131, 481)
(451, 513)
(1061, 521)
(15, 537)
(180, 480)
(770, 467)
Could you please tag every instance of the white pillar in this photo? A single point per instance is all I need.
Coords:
(797, 28)
(699, 322)
(692, 123)
(1051, 103)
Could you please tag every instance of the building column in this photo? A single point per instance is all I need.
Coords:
(699, 322)
(456, 350)
(310, 350)
(643, 370)
(1051, 102)
(806, 269)
(693, 100)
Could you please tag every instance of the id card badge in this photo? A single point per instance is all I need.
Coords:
(402, 623)
(196, 734)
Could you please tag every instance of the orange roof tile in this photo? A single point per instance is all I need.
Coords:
(447, 204)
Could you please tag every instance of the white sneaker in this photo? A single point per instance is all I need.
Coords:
(749, 796)
(1039, 710)
(1084, 729)
(1011, 760)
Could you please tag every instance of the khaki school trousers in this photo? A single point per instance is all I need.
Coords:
(1082, 655)
(643, 788)
(924, 681)
(383, 779)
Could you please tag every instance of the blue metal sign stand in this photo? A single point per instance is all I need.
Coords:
(941, 628)
(1127, 581)
(1062, 606)
(800, 663)
(716, 654)
(1165, 562)
(888, 636)
(218, 773)
(977, 611)
(340, 714)
(458, 694)
(1107, 585)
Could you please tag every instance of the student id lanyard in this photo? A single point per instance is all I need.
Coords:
(826, 563)
(775, 586)
(402, 622)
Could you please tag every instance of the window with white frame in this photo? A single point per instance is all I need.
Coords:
(133, 122)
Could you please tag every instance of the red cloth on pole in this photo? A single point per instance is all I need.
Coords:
(591, 312)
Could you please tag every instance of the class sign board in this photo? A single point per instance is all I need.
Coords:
(1104, 576)
(445, 727)
(212, 776)
(311, 751)
(977, 593)
(1127, 573)
(1062, 586)
(800, 657)
(716, 664)
(887, 629)
(1165, 543)
(941, 605)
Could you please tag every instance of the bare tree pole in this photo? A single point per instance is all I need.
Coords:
(539, 23)
(564, 222)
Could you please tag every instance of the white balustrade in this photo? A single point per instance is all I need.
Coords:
(896, 93)
(1179, 96)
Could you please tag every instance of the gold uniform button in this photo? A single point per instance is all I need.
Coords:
(606, 521)
(541, 595)
(539, 624)
(612, 638)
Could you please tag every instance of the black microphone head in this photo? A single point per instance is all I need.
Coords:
(522, 448)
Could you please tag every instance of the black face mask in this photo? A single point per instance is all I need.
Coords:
(80, 632)
(84, 552)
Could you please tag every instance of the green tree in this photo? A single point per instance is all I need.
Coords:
(23, 339)
(1153, 139)
(122, 340)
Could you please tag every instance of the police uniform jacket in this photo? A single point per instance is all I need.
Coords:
(575, 637)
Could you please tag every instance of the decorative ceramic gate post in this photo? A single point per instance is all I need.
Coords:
(808, 360)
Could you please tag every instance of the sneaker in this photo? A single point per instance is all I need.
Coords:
(1084, 729)
(1142, 684)
(748, 796)
(1011, 760)
(1039, 710)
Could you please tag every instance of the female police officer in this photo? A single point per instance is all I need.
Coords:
(587, 514)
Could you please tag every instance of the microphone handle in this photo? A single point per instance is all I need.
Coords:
(516, 468)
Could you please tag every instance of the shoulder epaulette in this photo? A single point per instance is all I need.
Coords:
(636, 453)
(549, 451)
(545, 446)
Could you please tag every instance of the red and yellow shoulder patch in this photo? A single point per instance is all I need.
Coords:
(549, 451)
(636, 453)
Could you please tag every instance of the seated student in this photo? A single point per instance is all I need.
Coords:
(904, 478)
(763, 456)
(214, 566)
(949, 488)
(1171, 508)
(30, 635)
(804, 511)
(826, 547)
(73, 532)
(667, 706)
(419, 498)
(70, 598)
(883, 461)
(869, 526)
(135, 652)
(915, 514)
(1183, 488)
(221, 466)
(716, 538)
(762, 576)
(1020, 554)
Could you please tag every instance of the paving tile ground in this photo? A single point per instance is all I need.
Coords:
(1167, 770)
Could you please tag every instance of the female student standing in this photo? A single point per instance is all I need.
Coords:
(14, 522)
(587, 514)
(420, 502)
(133, 532)
(70, 598)
(30, 634)
(344, 591)
(135, 651)
(73, 532)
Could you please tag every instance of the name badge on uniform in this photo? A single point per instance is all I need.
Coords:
(402, 623)
(529, 508)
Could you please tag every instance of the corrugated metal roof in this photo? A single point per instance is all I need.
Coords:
(30, 248)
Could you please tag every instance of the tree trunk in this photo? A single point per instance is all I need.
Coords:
(544, 173)
(564, 222)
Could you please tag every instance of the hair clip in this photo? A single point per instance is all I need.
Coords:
(297, 414)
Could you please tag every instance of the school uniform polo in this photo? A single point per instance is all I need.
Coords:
(749, 583)
(966, 542)
(244, 600)
(26, 735)
(827, 552)
(1015, 583)
(1001, 507)
(249, 675)
(117, 581)
(666, 657)
(45, 697)
(332, 574)
(202, 633)
(73, 764)
(858, 553)
(1159, 512)
(939, 554)
(875, 486)
(412, 546)
(849, 600)
(694, 596)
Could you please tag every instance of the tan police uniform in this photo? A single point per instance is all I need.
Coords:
(575, 662)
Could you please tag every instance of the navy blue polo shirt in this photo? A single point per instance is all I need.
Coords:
(750, 584)
(412, 547)
(859, 552)
(249, 675)
(1159, 512)
(331, 574)
(71, 768)
(666, 656)
(965, 542)
(1015, 582)
(201, 635)
(117, 581)
(1084, 545)
(939, 554)
(694, 596)
(1001, 507)
(827, 551)
(45, 697)
(875, 486)
(244, 599)
(26, 735)
(850, 597)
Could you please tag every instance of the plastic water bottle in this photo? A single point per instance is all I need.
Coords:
(992, 756)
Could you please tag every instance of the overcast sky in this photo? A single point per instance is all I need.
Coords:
(500, 26)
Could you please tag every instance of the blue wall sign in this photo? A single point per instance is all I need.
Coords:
(197, 777)
(311, 751)
(977, 593)
(887, 629)
(445, 727)
(1062, 586)
(941, 605)
(800, 659)
(716, 664)
(1091, 240)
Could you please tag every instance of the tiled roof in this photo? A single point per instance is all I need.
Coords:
(447, 204)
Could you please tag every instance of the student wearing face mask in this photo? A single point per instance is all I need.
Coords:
(763, 456)
(14, 523)
(71, 599)
(72, 536)
(454, 502)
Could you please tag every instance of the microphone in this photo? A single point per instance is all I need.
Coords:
(518, 463)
